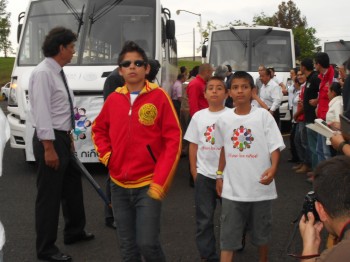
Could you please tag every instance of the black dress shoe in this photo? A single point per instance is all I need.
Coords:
(83, 237)
(57, 257)
(111, 224)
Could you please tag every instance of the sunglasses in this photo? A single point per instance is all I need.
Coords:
(138, 63)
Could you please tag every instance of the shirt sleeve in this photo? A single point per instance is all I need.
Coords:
(272, 133)
(100, 134)
(167, 161)
(276, 95)
(40, 102)
(191, 134)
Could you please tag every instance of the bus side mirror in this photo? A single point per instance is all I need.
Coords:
(204, 51)
(170, 29)
(20, 25)
(19, 30)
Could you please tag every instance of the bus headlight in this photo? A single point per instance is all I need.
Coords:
(12, 99)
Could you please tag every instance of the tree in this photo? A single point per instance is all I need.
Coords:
(289, 16)
(5, 25)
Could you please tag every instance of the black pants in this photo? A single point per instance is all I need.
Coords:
(293, 149)
(55, 187)
(177, 105)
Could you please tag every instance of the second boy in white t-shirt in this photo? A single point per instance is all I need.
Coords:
(204, 159)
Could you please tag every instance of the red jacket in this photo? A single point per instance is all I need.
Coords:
(323, 100)
(195, 94)
(123, 133)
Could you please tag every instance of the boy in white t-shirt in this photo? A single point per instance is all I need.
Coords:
(204, 160)
(251, 144)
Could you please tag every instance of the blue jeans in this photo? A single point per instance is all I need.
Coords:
(137, 217)
(312, 143)
(301, 144)
(205, 200)
(323, 151)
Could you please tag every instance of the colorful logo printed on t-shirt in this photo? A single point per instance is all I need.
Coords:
(209, 134)
(242, 138)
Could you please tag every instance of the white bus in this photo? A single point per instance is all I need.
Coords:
(338, 51)
(103, 26)
(247, 47)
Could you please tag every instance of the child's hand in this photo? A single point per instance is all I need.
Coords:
(267, 177)
(219, 183)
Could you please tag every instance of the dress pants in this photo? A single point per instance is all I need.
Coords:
(55, 187)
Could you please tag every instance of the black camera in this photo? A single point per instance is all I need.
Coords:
(309, 205)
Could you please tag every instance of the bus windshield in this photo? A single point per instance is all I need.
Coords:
(104, 27)
(246, 49)
(338, 52)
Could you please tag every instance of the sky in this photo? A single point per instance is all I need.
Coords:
(329, 18)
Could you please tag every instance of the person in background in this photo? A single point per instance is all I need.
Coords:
(59, 176)
(4, 137)
(176, 92)
(346, 92)
(331, 186)
(342, 73)
(271, 94)
(326, 75)
(204, 163)
(195, 89)
(309, 107)
(183, 70)
(278, 81)
(335, 108)
(296, 156)
(221, 71)
(185, 109)
(300, 139)
(250, 143)
(141, 148)
(292, 106)
(258, 83)
(229, 101)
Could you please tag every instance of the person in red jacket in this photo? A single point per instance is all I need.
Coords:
(138, 137)
(326, 74)
(195, 89)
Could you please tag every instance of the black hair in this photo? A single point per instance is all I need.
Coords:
(229, 68)
(154, 68)
(331, 185)
(183, 69)
(244, 75)
(180, 76)
(295, 69)
(55, 38)
(131, 46)
(322, 59)
(194, 71)
(308, 64)
(218, 78)
(336, 88)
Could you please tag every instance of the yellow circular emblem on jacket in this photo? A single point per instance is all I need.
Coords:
(148, 114)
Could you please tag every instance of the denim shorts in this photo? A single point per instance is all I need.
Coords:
(240, 217)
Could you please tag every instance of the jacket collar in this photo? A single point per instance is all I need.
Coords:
(146, 89)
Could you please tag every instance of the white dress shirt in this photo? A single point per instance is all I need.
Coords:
(271, 94)
(48, 98)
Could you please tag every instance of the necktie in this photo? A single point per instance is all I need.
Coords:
(70, 100)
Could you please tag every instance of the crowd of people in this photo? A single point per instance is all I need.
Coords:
(217, 136)
(226, 123)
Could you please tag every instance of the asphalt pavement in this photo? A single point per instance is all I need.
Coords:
(18, 192)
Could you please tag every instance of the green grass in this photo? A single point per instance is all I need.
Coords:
(6, 65)
(189, 64)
